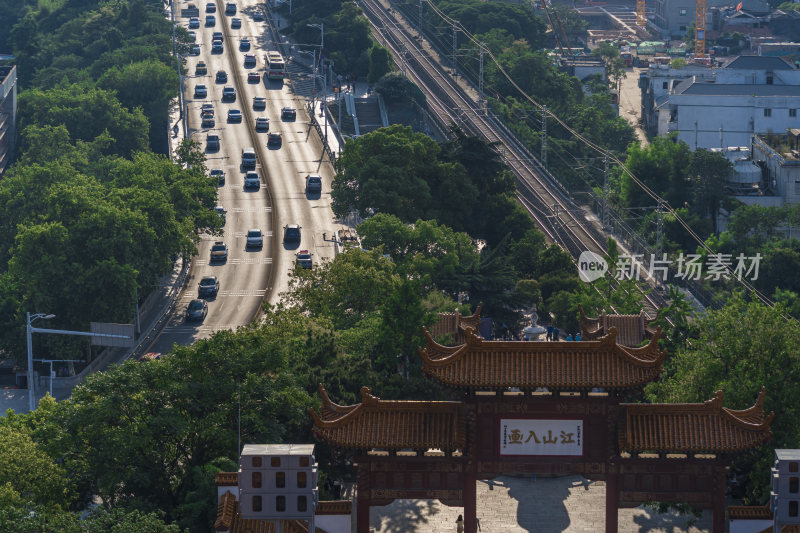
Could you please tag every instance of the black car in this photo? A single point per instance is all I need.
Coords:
(244, 44)
(222, 76)
(197, 310)
(291, 233)
(209, 286)
(288, 113)
(230, 8)
(212, 143)
(228, 94)
(313, 185)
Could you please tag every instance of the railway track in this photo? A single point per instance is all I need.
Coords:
(562, 220)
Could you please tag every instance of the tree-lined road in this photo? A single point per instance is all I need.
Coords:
(250, 276)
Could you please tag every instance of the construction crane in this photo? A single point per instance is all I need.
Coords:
(641, 19)
(700, 29)
(560, 36)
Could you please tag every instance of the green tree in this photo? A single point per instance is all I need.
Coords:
(739, 349)
(380, 63)
(708, 172)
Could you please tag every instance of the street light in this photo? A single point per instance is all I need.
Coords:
(31, 392)
(321, 28)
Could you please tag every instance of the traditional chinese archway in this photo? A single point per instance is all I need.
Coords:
(567, 418)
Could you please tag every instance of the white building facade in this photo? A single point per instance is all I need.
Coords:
(749, 96)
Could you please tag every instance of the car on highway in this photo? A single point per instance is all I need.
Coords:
(211, 7)
(262, 124)
(208, 121)
(211, 21)
(248, 157)
(197, 310)
(234, 116)
(228, 94)
(216, 47)
(252, 181)
(249, 60)
(259, 103)
(236, 23)
(208, 286)
(303, 259)
(200, 91)
(193, 36)
(253, 77)
(313, 184)
(207, 109)
(288, 113)
(194, 23)
(244, 44)
(222, 76)
(219, 175)
(274, 139)
(255, 239)
(258, 16)
(216, 36)
(201, 69)
(212, 142)
(291, 233)
(194, 50)
(221, 213)
(219, 251)
(230, 8)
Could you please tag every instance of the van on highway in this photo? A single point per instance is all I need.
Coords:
(248, 157)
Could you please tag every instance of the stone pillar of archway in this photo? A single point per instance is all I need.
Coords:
(718, 501)
(612, 502)
(362, 498)
(470, 501)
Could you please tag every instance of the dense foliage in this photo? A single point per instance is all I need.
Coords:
(91, 216)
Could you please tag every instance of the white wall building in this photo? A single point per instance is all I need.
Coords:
(751, 95)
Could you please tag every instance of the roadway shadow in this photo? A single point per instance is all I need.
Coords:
(396, 517)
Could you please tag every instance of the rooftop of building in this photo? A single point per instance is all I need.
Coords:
(787, 455)
(278, 449)
(787, 145)
(705, 88)
(758, 63)
(4, 72)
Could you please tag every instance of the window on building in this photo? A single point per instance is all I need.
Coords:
(665, 85)
(256, 462)
(769, 78)
(305, 461)
(767, 112)
(275, 462)
(794, 484)
(793, 465)
(302, 504)
(280, 503)
(301, 480)
(682, 28)
(682, 12)
(793, 113)
(280, 479)
(258, 505)
(793, 508)
(256, 479)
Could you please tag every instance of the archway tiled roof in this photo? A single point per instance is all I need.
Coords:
(631, 329)
(480, 364)
(391, 424)
(693, 427)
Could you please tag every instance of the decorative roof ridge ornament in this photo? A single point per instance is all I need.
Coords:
(609, 339)
(753, 417)
(649, 354)
(367, 398)
(472, 338)
(432, 347)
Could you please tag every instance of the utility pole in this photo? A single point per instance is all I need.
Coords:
(455, 45)
(544, 137)
(606, 214)
(480, 70)
(659, 229)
